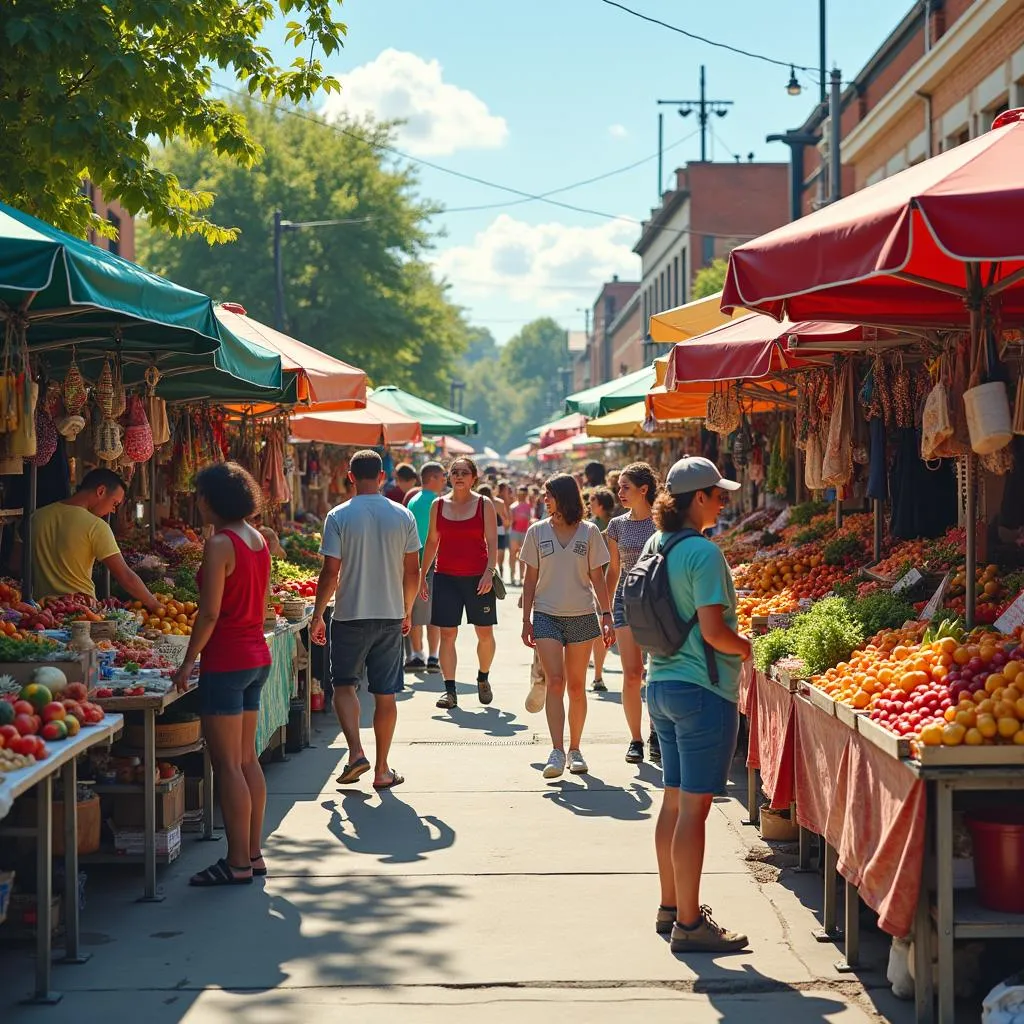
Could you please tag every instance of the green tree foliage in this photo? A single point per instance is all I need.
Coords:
(709, 279)
(359, 290)
(86, 84)
(480, 345)
(520, 387)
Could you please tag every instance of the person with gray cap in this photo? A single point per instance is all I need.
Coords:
(692, 698)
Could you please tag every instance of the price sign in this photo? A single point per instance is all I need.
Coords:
(929, 610)
(907, 581)
(781, 520)
(1012, 618)
(779, 621)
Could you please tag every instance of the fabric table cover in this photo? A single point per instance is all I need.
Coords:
(280, 687)
(820, 743)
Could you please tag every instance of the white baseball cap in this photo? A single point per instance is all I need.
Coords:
(694, 473)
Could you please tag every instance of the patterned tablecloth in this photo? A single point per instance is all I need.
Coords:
(280, 687)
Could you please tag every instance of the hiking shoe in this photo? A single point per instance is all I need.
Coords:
(556, 764)
(536, 697)
(706, 936)
(448, 700)
(599, 686)
(433, 666)
(635, 752)
(577, 763)
(654, 749)
(415, 665)
(484, 692)
(665, 920)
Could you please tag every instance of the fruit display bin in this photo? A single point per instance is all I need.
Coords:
(169, 734)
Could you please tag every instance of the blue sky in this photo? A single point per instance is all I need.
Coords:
(539, 94)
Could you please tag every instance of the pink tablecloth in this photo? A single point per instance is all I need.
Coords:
(774, 726)
(868, 806)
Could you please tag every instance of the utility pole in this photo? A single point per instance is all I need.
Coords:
(835, 137)
(704, 108)
(821, 50)
(661, 151)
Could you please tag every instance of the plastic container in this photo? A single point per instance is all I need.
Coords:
(998, 838)
(988, 417)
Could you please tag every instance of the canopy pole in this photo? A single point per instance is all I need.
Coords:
(839, 510)
(152, 498)
(877, 549)
(970, 569)
(26, 533)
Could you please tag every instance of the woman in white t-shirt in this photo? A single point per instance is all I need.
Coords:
(565, 559)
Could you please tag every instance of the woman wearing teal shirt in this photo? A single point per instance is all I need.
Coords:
(696, 719)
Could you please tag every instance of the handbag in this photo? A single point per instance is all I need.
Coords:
(500, 591)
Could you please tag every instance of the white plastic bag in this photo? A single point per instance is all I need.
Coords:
(1005, 1003)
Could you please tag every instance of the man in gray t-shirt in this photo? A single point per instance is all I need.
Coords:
(371, 569)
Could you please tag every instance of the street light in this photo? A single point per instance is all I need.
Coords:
(280, 227)
(793, 88)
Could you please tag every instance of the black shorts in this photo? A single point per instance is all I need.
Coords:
(455, 595)
(502, 541)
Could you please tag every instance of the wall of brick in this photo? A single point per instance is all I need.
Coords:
(627, 343)
(125, 243)
(612, 298)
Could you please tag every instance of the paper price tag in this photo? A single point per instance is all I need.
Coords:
(1013, 617)
(935, 603)
(907, 581)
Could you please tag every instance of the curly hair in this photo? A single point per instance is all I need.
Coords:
(565, 493)
(670, 510)
(640, 474)
(229, 490)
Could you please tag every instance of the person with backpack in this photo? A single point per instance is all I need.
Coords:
(681, 605)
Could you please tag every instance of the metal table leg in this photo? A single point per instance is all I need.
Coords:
(828, 931)
(149, 893)
(207, 795)
(44, 892)
(72, 955)
(851, 930)
(804, 848)
(924, 990)
(752, 814)
(944, 897)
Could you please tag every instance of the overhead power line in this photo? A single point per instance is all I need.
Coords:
(704, 39)
(387, 148)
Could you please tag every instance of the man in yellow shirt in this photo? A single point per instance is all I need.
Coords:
(70, 536)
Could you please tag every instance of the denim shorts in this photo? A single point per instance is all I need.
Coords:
(619, 611)
(373, 648)
(231, 693)
(697, 731)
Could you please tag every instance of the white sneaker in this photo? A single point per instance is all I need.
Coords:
(577, 764)
(536, 697)
(556, 764)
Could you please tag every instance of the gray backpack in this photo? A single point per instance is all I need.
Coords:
(651, 610)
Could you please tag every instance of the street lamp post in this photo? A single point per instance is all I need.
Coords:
(280, 227)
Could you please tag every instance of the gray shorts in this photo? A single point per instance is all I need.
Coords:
(422, 610)
(566, 629)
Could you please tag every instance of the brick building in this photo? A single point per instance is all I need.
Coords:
(938, 79)
(579, 360)
(612, 299)
(626, 338)
(713, 208)
(124, 244)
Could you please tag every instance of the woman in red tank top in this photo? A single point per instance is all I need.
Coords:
(234, 586)
(463, 536)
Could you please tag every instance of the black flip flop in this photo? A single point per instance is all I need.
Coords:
(353, 772)
(396, 780)
(258, 872)
(220, 873)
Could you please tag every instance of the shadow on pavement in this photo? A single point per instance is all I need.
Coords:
(596, 799)
(606, 697)
(388, 828)
(491, 721)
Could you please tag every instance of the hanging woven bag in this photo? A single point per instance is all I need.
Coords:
(107, 440)
(138, 438)
(104, 390)
(75, 392)
(156, 409)
(46, 437)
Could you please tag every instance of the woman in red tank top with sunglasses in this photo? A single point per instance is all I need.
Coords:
(234, 585)
(463, 537)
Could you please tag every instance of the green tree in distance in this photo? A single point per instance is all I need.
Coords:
(359, 290)
(520, 387)
(710, 279)
(85, 84)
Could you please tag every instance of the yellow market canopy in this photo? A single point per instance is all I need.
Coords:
(685, 322)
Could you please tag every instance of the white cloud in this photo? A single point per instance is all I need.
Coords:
(617, 131)
(441, 118)
(553, 266)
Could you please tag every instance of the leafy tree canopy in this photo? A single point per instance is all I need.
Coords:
(710, 279)
(85, 85)
(359, 290)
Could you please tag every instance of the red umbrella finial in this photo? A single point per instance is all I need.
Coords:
(234, 307)
(1009, 117)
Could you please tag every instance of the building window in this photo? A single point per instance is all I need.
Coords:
(675, 275)
(114, 244)
(684, 289)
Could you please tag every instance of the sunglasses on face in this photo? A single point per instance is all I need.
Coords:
(460, 472)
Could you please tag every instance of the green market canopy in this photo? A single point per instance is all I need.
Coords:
(614, 394)
(61, 294)
(433, 419)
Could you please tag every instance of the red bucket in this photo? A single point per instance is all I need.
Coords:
(316, 700)
(998, 838)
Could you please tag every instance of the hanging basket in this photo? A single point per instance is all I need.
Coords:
(138, 438)
(46, 438)
(104, 390)
(988, 417)
(723, 413)
(107, 441)
(75, 392)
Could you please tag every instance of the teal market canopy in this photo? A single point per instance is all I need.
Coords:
(434, 420)
(614, 394)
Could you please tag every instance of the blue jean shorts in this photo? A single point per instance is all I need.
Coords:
(619, 611)
(373, 648)
(231, 693)
(697, 731)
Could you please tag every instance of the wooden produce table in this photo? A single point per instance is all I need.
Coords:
(151, 706)
(62, 758)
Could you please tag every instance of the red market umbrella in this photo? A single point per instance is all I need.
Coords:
(558, 430)
(374, 425)
(921, 248)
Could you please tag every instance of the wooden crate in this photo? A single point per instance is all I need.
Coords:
(83, 668)
(893, 745)
(785, 679)
(961, 756)
(819, 698)
(169, 734)
(129, 809)
(847, 715)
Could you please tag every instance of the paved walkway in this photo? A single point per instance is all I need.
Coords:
(474, 888)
